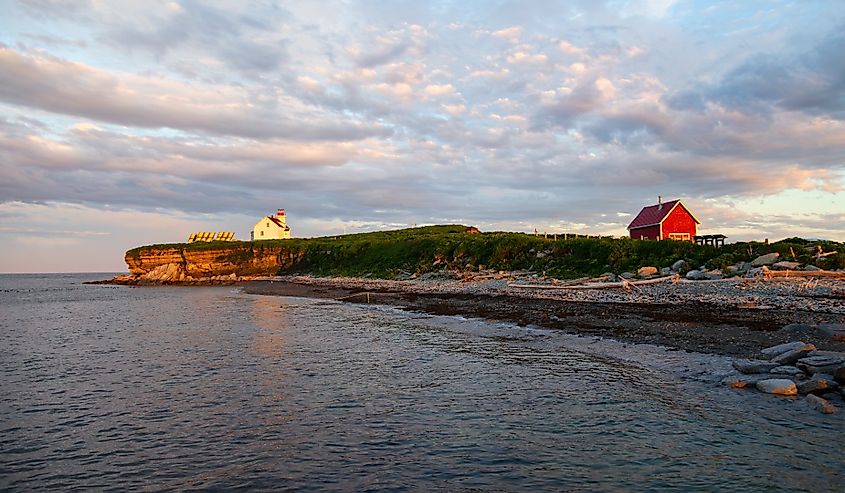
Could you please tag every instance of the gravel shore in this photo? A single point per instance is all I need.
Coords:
(734, 317)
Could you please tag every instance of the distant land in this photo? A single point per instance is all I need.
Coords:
(408, 253)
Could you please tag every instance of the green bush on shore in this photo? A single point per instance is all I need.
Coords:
(388, 254)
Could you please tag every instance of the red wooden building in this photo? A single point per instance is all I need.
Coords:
(671, 220)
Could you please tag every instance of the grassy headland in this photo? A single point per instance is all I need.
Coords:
(392, 254)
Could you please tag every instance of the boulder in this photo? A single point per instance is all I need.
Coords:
(839, 376)
(811, 268)
(666, 271)
(798, 329)
(743, 381)
(820, 404)
(767, 259)
(821, 364)
(677, 266)
(696, 275)
(749, 366)
(714, 274)
(794, 355)
(819, 384)
(627, 275)
(743, 266)
(647, 271)
(781, 348)
(785, 265)
(834, 331)
(777, 386)
(791, 371)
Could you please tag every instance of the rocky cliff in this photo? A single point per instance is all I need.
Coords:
(174, 263)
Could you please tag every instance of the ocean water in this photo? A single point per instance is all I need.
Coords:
(118, 388)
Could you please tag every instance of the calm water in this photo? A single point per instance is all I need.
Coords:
(118, 388)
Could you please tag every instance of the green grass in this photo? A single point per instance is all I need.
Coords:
(387, 254)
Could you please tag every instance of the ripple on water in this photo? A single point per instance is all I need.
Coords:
(171, 388)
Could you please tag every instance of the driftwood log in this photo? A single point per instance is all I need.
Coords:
(800, 273)
(624, 284)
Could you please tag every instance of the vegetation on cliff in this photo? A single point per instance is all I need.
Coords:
(391, 254)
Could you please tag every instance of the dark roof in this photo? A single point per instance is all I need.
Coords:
(278, 223)
(655, 214)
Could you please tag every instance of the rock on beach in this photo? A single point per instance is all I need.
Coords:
(743, 381)
(793, 355)
(773, 351)
(777, 386)
(820, 404)
(821, 364)
(749, 366)
(768, 259)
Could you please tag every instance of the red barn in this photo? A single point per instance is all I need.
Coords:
(672, 220)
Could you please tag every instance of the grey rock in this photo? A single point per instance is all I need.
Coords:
(743, 266)
(743, 381)
(811, 268)
(627, 275)
(794, 355)
(830, 354)
(820, 404)
(781, 348)
(767, 259)
(677, 266)
(834, 331)
(666, 271)
(647, 271)
(785, 265)
(791, 371)
(749, 366)
(757, 271)
(798, 329)
(819, 384)
(696, 275)
(714, 274)
(777, 386)
(839, 376)
(820, 364)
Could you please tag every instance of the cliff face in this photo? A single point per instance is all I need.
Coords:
(235, 260)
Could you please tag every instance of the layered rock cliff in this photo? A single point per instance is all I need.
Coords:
(173, 263)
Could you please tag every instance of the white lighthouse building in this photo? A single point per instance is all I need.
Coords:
(271, 227)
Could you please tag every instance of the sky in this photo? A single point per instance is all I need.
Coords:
(131, 123)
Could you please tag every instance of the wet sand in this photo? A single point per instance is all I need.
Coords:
(732, 324)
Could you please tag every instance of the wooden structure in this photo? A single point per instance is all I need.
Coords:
(711, 240)
(209, 236)
(272, 227)
(664, 221)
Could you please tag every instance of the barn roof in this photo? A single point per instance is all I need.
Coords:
(655, 214)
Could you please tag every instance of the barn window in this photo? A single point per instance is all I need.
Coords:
(262, 233)
(679, 236)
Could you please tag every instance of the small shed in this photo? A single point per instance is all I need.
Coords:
(671, 220)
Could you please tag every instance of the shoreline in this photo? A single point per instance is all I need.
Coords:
(735, 319)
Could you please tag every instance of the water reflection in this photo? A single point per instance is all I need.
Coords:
(270, 317)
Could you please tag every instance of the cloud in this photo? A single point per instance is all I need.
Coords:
(812, 82)
(60, 86)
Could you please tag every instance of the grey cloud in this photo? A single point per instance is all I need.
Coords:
(72, 89)
(203, 26)
(812, 82)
